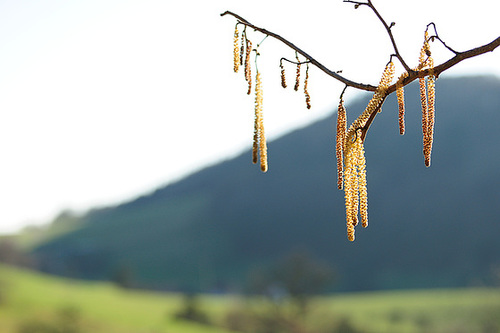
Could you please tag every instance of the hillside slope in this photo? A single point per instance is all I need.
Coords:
(429, 227)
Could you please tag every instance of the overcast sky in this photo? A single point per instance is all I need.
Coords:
(105, 100)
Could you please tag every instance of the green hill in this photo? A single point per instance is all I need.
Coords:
(429, 227)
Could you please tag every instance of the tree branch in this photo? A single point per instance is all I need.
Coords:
(460, 56)
(313, 61)
(412, 74)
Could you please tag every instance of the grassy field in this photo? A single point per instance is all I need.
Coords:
(32, 303)
(28, 299)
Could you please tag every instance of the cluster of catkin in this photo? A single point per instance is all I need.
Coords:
(351, 162)
(427, 87)
(427, 98)
(241, 54)
(297, 80)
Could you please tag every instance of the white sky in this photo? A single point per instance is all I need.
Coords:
(105, 100)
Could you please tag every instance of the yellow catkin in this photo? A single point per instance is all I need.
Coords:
(248, 69)
(283, 79)
(354, 180)
(356, 197)
(297, 76)
(376, 100)
(423, 102)
(354, 172)
(340, 142)
(255, 146)
(424, 52)
(350, 232)
(349, 190)
(259, 120)
(401, 103)
(242, 47)
(427, 99)
(430, 118)
(306, 92)
(236, 50)
(363, 193)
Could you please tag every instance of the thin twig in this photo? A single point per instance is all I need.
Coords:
(295, 62)
(343, 91)
(436, 36)
(387, 28)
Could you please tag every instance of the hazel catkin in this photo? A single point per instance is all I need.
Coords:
(427, 98)
(236, 50)
(259, 134)
(248, 69)
(428, 140)
(340, 142)
(423, 103)
(306, 92)
(297, 76)
(401, 103)
(376, 100)
(356, 194)
(354, 171)
(283, 79)
(242, 47)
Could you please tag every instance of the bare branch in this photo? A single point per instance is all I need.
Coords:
(460, 56)
(313, 61)
(436, 71)
(412, 74)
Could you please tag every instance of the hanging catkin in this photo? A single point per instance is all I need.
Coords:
(259, 139)
(340, 142)
(401, 102)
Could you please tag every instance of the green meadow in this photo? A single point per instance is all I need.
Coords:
(32, 302)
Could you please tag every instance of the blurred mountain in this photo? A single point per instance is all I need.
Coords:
(429, 227)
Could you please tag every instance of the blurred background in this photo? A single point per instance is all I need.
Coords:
(130, 203)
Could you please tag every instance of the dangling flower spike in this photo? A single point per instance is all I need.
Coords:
(306, 92)
(401, 102)
(340, 140)
(236, 50)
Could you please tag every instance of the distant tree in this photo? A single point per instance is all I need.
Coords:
(11, 254)
(123, 276)
(297, 277)
(349, 148)
(191, 310)
(302, 277)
